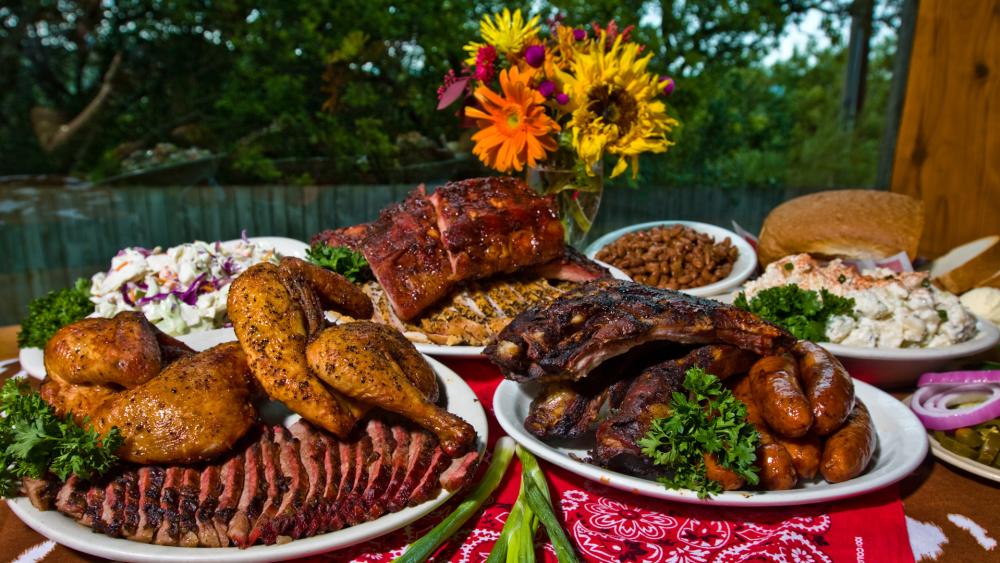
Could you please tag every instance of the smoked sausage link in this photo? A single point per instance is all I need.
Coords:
(806, 453)
(848, 451)
(774, 381)
(777, 468)
(828, 387)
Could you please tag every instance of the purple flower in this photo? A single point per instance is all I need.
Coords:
(562, 98)
(535, 55)
(579, 34)
(547, 88)
(668, 85)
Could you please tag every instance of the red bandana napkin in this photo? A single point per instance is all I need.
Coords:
(613, 526)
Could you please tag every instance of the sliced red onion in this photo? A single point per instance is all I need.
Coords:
(935, 405)
(959, 377)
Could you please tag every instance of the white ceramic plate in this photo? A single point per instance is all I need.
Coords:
(951, 458)
(902, 446)
(900, 367)
(461, 401)
(972, 466)
(477, 351)
(32, 359)
(746, 261)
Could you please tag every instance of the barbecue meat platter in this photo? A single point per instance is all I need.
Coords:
(590, 372)
(453, 267)
(203, 465)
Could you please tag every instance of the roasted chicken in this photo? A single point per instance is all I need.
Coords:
(196, 409)
(376, 365)
(277, 316)
(274, 310)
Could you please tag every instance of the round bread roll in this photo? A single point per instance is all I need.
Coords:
(843, 224)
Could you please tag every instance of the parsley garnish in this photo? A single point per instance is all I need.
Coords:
(943, 315)
(34, 441)
(802, 312)
(48, 314)
(705, 419)
(346, 262)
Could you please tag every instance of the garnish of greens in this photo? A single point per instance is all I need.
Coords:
(346, 262)
(424, 547)
(802, 312)
(533, 505)
(51, 312)
(34, 441)
(705, 418)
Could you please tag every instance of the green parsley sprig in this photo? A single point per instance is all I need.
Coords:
(802, 312)
(706, 418)
(34, 441)
(346, 262)
(51, 312)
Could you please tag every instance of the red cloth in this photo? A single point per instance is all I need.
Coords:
(611, 525)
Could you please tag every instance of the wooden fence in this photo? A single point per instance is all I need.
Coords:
(51, 236)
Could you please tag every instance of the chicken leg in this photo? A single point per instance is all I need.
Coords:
(372, 363)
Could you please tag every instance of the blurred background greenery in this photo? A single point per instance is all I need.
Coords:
(344, 91)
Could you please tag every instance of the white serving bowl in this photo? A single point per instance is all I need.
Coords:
(746, 261)
(901, 367)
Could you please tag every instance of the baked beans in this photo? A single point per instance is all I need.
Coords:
(671, 257)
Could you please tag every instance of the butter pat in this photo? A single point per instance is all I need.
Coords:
(984, 302)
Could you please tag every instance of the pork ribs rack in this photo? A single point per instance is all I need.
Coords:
(566, 338)
(423, 247)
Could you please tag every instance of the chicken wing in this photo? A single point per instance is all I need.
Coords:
(374, 364)
(120, 351)
(271, 325)
(194, 410)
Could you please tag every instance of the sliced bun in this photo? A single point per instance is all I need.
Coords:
(968, 266)
(992, 281)
(843, 224)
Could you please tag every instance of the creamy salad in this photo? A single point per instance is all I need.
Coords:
(180, 290)
(892, 310)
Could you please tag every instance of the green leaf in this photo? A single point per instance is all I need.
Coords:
(803, 313)
(346, 262)
(706, 419)
(51, 312)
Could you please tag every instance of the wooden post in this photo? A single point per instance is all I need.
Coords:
(857, 62)
(948, 150)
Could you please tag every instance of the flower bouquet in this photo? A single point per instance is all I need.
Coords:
(565, 100)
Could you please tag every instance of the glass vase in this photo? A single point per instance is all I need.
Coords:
(577, 192)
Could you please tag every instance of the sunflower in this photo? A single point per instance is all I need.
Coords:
(514, 129)
(509, 33)
(614, 105)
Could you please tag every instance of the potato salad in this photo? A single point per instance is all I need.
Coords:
(891, 310)
(182, 289)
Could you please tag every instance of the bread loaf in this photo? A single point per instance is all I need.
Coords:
(843, 224)
(974, 264)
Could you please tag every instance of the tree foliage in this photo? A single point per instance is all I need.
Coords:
(349, 81)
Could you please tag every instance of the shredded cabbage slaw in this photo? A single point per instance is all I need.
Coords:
(180, 290)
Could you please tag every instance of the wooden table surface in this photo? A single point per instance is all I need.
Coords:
(951, 515)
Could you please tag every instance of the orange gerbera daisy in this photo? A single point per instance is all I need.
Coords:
(514, 129)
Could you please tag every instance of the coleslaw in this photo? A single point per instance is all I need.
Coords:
(180, 290)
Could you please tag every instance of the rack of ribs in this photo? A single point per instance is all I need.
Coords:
(566, 338)
(425, 246)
